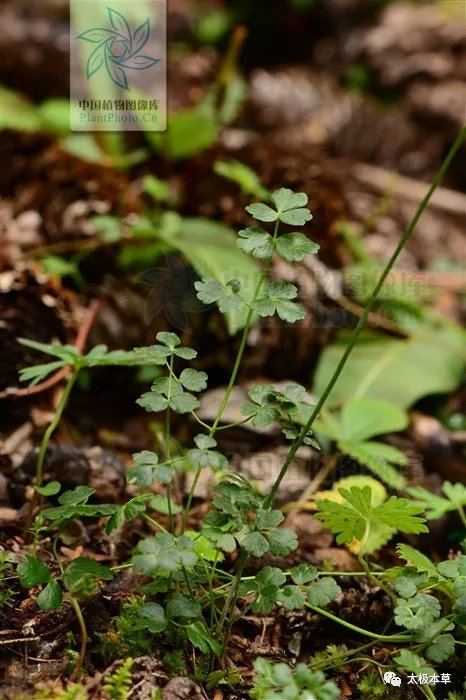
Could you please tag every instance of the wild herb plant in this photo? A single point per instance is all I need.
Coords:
(189, 597)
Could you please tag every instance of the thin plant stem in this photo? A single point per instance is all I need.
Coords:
(154, 522)
(239, 356)
(53, 425)
(167, 445)
(84, 637)
(36, 498)
(390, 639)
(228, 607)
(362, 321)
(79, 616)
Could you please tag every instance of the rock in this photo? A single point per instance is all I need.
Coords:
(64, 463)
(263, 468)
(181, 689)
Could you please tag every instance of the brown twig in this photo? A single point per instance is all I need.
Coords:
(62, 373)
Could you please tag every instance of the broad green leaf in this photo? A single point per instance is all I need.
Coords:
(192, 131)
(152, 402)
(417, 612)
(349, 521)
(323, 591)
(396, 371)
(243, 175)
(50, 597)
(32, 572)
(377, 456)
(364, 418)
(184, 403)
(296, 217)
(210, 290)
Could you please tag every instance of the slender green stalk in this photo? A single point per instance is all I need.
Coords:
(53, 425)
(239, 356)
(84, 637)
(362, 321)
(390, 638)
(79, 616)
(228, 607)
(154, 522)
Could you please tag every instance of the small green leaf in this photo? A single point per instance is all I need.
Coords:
(265, 588)
(282, 541)
(32, 572)
(302, 574)
(201, 638)
(441, 648)
(171, 340)
(78, 495)
(262, 212)
(256, 241)
(50, 597)
(193, 380)
(413, 663)
(210, 290)
(181, 607)
(255, 544)
(277, 300)
(153, 402)
(296, 217)
(285, 199)
(291, 598)
(81, 568)
(323, 591)
(50, 489)
(294, 246)
(160, 504)
(184, 403)
(416, 559)
(154, 617)
(417, 612)
(163, 554)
